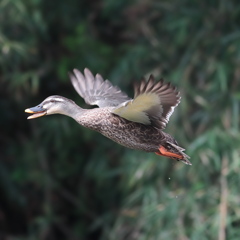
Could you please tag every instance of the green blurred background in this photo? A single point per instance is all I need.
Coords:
(61, 181)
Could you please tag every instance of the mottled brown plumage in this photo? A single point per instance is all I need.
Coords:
(134, 123)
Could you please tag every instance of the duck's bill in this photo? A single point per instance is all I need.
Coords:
(37, 112)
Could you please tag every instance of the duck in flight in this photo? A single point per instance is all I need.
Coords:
(134, 123)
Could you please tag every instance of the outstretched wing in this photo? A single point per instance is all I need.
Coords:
(96, 91)
(153, 103)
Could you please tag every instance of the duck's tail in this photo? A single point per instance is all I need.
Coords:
(174, 151)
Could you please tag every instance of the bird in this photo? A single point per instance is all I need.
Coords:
(135, 123)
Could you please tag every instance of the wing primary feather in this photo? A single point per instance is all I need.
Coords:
(145, 84)
(89, 78)
(95, 90)
(142, 86)
(75, 84)
(99, 80)
(150, 84)
(81, 80)
(136, 89)
(157, 86)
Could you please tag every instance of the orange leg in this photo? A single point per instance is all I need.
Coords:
(164, 152)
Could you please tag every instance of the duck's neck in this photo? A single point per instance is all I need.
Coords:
(71, 109)
(89, 118)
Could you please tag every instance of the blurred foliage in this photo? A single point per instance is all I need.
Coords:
(61, 181)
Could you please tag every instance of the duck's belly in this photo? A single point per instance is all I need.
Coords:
(131, 142)
(134, 135)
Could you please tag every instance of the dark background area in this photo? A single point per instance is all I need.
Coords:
(61, 181)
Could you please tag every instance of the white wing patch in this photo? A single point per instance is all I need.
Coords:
(137, 109)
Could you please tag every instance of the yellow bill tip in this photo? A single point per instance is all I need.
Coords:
(28, 110)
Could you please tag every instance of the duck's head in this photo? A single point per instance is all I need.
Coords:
(51, 105)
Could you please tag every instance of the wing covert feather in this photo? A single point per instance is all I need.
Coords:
(153, 103)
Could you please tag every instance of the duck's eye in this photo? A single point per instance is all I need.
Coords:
(52, 101)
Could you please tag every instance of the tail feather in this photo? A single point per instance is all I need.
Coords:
(184, 157)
